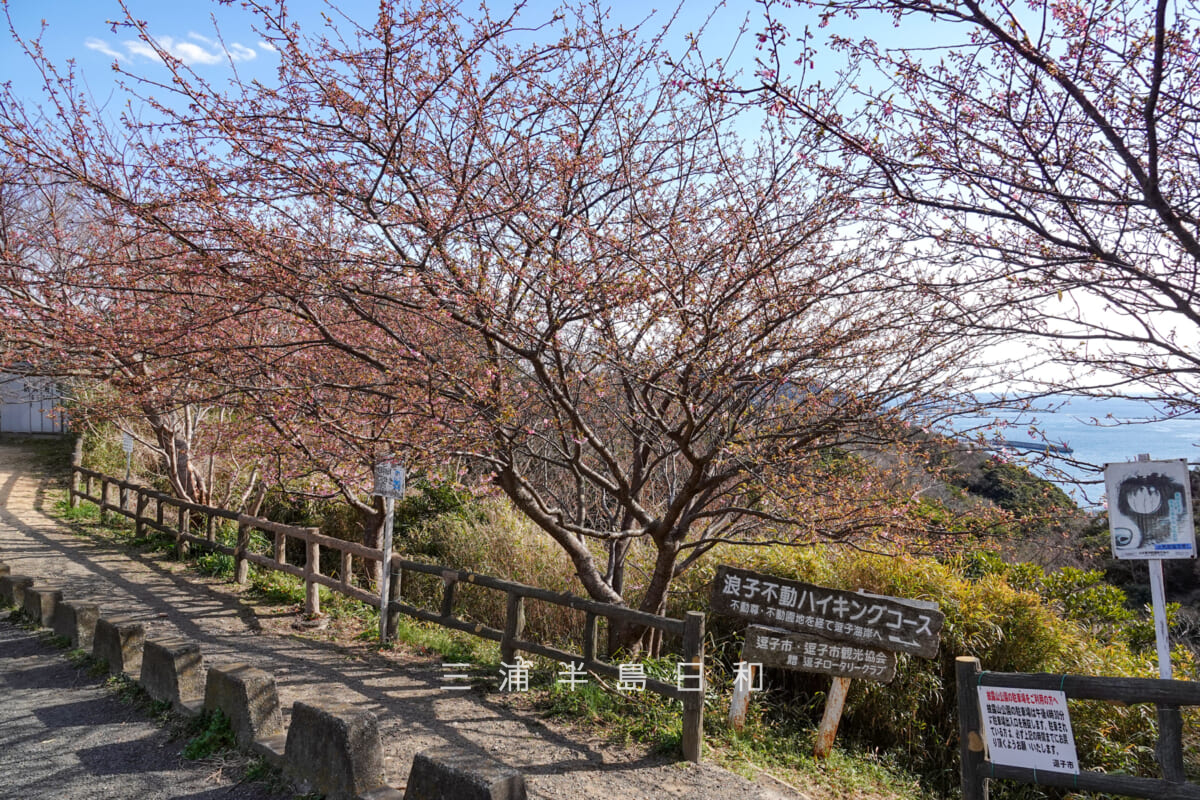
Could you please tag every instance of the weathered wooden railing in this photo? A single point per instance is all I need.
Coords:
(691, 630)
(1167, 695)
(168, 510)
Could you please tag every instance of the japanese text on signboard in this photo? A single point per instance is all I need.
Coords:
(885, 623)
(776, 648)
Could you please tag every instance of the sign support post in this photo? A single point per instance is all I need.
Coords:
(385, 572)
(1158, 598)
(835, 701)
(739, 703)
(389, 484)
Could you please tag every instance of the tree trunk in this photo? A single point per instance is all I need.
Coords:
(177, 458)
(372, 519)
(617, 553)
(636, 639)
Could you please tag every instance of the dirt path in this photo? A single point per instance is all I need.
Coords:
(414, 711)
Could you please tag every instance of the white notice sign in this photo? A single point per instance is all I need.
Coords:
(1028, 728)
(389, 481)
(1150, 509)
(127, 442)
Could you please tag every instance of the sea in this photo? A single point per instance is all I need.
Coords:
(1095, 431)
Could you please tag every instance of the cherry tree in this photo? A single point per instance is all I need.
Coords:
(82, 301)
(531, 253)
(1045, 155)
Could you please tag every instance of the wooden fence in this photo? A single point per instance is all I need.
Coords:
(191, 524)
(1168, 696)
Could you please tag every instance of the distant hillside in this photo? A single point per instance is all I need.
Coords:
(963, 477)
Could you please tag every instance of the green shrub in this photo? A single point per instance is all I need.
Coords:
(1008, 629)
(277, 587)
(217, 565)
(1014, 488)
(102, 449)
(214, 734)
(495, 540)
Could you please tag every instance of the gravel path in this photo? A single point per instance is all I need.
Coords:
(414, 711)
(63, 736)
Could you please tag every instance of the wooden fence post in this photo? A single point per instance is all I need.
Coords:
(693, 702)
(73, 493)
(589, 637)
(1169, 750)
(450, 579)
(210, 531)
(280, 548)
(970, 733)
(103, 500)
(241, 566)
(345, 569)
(76, 463)
(514, 626)
(139, 521)
(394, 589)
(184, 527)
(312, 566)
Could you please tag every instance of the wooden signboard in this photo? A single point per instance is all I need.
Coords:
(772, 647)
(875, 621)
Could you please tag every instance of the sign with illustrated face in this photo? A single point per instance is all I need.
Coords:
(1150, 509)
(1028, 728)
(772, 647)
(874, 621)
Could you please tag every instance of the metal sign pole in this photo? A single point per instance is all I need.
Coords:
(127, 446)
(1161, 634)
(1158, 599)
(389, 507)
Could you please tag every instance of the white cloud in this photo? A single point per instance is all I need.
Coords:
(139, 48)
(189, 53)
(241, 53)
(100, 46)
(197, 50)
(267, 47)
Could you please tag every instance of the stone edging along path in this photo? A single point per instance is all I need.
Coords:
(414, 713)
(333, 749)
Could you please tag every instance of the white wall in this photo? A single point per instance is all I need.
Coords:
(29, 405)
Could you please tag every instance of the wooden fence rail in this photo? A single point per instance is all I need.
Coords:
(1167, 695)
(156, 510)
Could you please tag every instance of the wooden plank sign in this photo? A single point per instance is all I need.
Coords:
(878, 622)
(773, 647)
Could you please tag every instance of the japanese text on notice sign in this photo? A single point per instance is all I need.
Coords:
(1027, 728)
(880, 622)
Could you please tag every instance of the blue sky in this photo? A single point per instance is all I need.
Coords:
(82, 30)
(214, 38)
